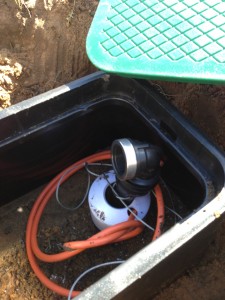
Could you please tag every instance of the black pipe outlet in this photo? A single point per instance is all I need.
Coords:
(136, 165)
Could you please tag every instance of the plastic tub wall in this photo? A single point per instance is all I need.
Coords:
(43, 135)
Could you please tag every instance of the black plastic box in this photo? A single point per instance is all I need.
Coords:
(43, 135)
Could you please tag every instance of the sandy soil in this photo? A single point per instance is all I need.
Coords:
(203, 104)
(46, 40)
(43, 46)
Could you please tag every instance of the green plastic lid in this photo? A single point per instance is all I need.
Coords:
(160, 39)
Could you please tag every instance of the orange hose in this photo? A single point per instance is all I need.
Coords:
(116, 233)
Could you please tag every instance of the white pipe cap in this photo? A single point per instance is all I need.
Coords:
(103, 214)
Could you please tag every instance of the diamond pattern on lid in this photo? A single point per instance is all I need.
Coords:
(151, 32)
(135, 20)
(211, 3)
(167, 13)
(116, 51)
(121, 8)
(220, 57)
(108, 44)
(157, 8)
(171, 33)
(131, 32)
(135, 52)
(117, 19)
(127, 45)
(128, 13)
(184, 26)
(199, 55)
(179, 7)
(146, 14)
(163, 26)
(221, 42)
(187, 13)
(209, 14)
(139, 8)
(180, 40)
(218, 20)
(175, 20)
(104, 38)
(113, 31)
(206, 27)
(220, 8)
(215, 34)
(155, 53)
(213, 48)
(159, 39)
(222, 27)
(170, 2)
(142, 26)
(193, 33)
(196, 20)
(155, 20)
(203, 40)
(200, 7)
(176, 54)
(139, 39)
(167, 47)
(157, 28)
(146, 46)
(190, 3)
(120, 38)
(189, 47)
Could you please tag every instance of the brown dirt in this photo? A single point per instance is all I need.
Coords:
(46, 41)
(203, 104)
(43, 46)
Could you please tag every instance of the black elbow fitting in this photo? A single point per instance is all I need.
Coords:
(136, 165)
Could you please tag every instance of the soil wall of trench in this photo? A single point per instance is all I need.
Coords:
(42, 46)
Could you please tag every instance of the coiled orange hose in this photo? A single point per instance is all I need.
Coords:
(116, 233)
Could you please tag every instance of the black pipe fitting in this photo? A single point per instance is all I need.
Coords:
(136, 165)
